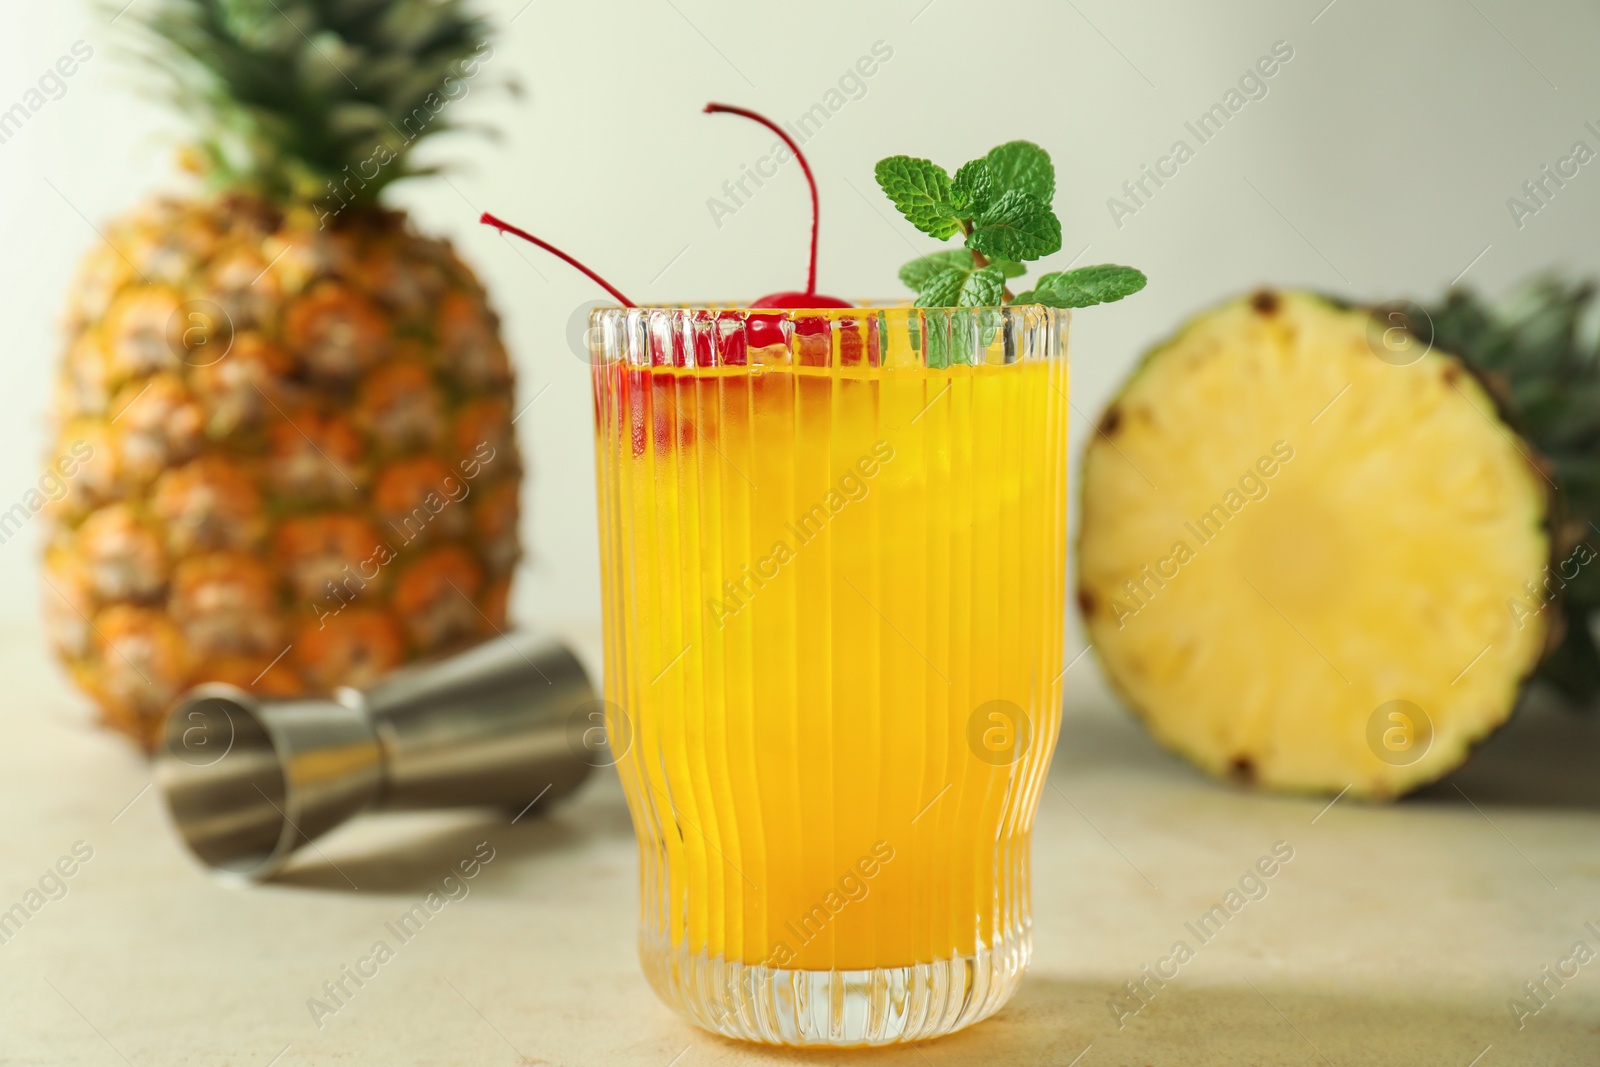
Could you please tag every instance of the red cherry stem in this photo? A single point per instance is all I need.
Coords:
(712, 109)
(506, 227)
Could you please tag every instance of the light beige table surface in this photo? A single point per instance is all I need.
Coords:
(1395, 935)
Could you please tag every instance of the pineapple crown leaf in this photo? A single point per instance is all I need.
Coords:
(316, 99)
(1543, 344)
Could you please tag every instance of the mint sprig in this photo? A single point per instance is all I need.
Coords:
(1000, 204)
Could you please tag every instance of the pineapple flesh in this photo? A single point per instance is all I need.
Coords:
(296, 409)
(1308, 567)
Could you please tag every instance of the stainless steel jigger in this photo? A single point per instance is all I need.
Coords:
(248, 781)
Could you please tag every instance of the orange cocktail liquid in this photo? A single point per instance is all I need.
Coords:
(833, 586)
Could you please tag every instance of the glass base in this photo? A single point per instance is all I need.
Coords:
(880, 1006)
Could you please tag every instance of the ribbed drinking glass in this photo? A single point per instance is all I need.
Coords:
(833, 547)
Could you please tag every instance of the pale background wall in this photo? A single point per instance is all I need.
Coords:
(1379, 164)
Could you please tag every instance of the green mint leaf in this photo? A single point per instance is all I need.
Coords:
(920, 190)
(943, 290)
(962, 286)
(1085, 286)
(1016, 226)
(1010, 268)
(973, 188)
(918, 272)
(936, 341)
(945, 338)
(1024, 166)
(983, 288)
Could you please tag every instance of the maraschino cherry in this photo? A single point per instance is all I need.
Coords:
(810, 298)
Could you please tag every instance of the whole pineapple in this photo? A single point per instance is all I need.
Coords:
(289, 414)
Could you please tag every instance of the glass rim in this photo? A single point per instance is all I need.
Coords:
(828, 313)
(864, 339)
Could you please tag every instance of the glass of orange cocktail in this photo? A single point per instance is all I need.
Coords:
(833, 555)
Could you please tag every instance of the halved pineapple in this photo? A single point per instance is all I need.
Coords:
(1312, 558)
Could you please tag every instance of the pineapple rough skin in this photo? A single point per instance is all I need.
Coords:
(302, 471)
(1307, 568)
